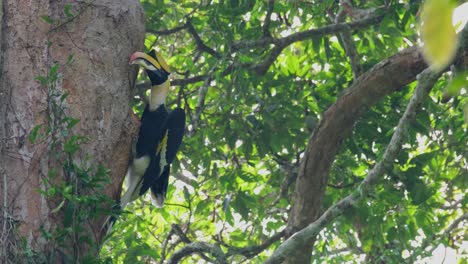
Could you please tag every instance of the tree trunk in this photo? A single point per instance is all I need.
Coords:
(100, 35)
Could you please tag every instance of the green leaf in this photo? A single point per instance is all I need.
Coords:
(34, 133)
(457, 83)
(42, 80)
(241, 206)
(71, 122)
(53, 71)
(55, 210)
(67, 10)
(48, 20)
(228, 215)
(69, 214)
(201, 206)
(64, 96)
(70, 58)
(438, 33)
(186, 195)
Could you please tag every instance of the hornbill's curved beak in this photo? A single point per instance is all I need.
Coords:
(154, 62)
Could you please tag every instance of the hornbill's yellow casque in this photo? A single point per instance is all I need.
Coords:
(159, 138)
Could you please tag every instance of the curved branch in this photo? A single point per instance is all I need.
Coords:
(200, 44)
(337, 122)
(296, 241)
(262, 68)
(255, 250)
(198, 247)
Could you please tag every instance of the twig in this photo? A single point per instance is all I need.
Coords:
(183, 237)
(176, 82)
(308, 34)
(200, 44)
(266, 23)
(164, 245)
(165, 32)
(426, 242)
(255, 250)
(347, 42)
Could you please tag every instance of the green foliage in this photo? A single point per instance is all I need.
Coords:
(234, 176)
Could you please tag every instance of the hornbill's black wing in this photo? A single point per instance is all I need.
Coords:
(151, 131)
(143, 170)
(175, 133)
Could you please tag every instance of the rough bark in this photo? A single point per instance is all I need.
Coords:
(337, 122)
(101, 35)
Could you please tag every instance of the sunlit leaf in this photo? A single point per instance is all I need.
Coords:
(438, 33)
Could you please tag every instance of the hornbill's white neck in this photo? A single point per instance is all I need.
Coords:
(158, 95)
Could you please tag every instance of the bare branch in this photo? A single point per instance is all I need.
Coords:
(194, 79)
(200, 104)
(200, 44)
(198, 247)
(181, 234)
(183, 237)
(165, 32)
(164, 245)
(262, 68)
(347, 41)
(296, 241)
(266, 23)
(426, 242)
(176, 82)
(254, 250)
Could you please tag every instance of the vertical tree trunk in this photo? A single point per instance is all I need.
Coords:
(100, 35)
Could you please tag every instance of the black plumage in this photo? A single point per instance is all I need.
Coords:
(159, 138)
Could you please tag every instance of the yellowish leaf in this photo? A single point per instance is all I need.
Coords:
(438, 33)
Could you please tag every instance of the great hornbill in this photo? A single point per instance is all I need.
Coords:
(159, 138)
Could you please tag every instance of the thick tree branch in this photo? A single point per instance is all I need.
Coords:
(296, 241)
(384, 78)
(337, 122)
